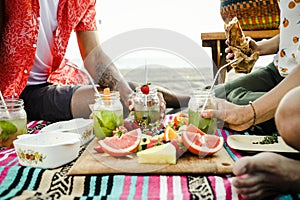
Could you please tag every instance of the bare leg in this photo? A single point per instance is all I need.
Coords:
(81, 99)
(287, 118)
(267, 175)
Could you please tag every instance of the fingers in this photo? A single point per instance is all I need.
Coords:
(240, 167)
(211, 113)
(131, 102)
(162, 105)
(261, 162)
(230, 54)
(228, 50)
(253, 186)
(219, 112)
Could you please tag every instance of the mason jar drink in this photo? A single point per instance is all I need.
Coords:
(13, 121)
(107, 114)
(146, 107)
(195, 107)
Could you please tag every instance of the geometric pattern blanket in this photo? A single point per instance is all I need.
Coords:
(20, 182)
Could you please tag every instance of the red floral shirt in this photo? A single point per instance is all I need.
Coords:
(20, 34)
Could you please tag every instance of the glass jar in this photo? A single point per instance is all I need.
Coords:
(146, 108)
(107, 114)
(198, 100)
(13, 121)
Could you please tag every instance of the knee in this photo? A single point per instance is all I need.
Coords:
(286, 118)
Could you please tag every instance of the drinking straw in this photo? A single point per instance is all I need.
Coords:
(146, 72)
(214, 82)
(146, 80)
(4, 104)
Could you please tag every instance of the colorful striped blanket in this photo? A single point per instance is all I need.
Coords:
(19, 182)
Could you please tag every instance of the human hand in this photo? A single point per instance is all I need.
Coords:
(253, 45)
(236, 117)
(162, 104)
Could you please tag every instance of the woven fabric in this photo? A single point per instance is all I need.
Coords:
(19, 182)
(252, 15)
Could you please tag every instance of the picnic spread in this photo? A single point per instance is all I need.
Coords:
(21, 182)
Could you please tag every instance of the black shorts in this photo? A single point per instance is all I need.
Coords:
(48, 102)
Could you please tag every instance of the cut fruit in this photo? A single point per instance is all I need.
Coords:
(180, 119)
(121, 146)
(202, 145)
(6, 129)
(106, 93)
(170, 134)
(162, 154)
(98, 149)
(179, 146)
(145, 89)
(193, 128)
(147, 143)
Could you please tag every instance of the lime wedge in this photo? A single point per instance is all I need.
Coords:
(7, 128)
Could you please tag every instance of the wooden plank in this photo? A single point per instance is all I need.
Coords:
(91, 162)
(254, 34)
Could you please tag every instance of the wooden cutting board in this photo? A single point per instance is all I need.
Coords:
(92, 162)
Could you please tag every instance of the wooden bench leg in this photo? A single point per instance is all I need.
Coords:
(218, 57)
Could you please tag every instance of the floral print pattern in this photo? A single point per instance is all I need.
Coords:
(30, 156)
(20, 33)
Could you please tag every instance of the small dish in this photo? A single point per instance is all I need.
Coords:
(83, 127)
(47, 149)
(246, 143)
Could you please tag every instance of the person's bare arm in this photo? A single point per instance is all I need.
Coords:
(100, 66)
(267, 104)
(241, 117)
(267, 47)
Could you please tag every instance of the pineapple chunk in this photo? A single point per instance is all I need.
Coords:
(162, 154)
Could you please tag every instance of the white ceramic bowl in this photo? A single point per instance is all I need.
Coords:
(48, 149)
(83, 127)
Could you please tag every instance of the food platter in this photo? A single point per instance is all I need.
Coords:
(178, 148)
(249, 143)
(91, 162)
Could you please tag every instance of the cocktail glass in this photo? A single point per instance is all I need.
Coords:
(196, 103)
(13, 121)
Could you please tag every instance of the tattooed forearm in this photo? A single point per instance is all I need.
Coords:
(107, 79)
(107, 75)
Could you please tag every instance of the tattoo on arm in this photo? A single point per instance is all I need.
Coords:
(107, 75)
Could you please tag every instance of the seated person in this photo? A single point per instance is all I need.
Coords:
(32, 54)
(252, 86)
(268, 174)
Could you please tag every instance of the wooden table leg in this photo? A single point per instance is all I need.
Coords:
(218, 57)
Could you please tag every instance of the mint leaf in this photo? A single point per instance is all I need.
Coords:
(109, 119)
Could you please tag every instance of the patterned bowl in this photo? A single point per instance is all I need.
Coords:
(47, 149)
(83, 127)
